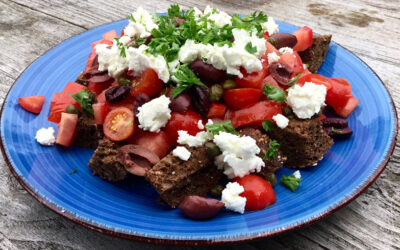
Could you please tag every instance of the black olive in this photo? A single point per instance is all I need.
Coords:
(200, 99)
(117, 94)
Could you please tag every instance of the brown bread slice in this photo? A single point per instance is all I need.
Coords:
(315, 55)
(104, 163)
(303, 142)
(87, 132)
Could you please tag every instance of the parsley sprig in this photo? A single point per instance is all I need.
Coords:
(268, 125)
(274, 93)
(121, 47)
(85, 99)
(250, 48)
(225, 126)
(273, 149)
(185, 79)
(290, 181)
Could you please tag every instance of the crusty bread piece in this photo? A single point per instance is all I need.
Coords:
(87, 132)
(315, 55)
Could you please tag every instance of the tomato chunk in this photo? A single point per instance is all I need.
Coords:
(251, 80)
(100, 112)
(255, 114)
(32, 104)
(241, 98)
(316, 79)
(182, 121)
(304, 37)
(217, 110)
(148, 83)
(340, 97)
(258, 192)
(271, 48)
(67, 129)
(119, 124)
(293, 60)
(158, 142)
(97, 88)
(72, 88)
(110, 35)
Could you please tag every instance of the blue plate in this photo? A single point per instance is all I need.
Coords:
(129, 208)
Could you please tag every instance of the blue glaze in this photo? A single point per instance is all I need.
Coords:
(129, 207)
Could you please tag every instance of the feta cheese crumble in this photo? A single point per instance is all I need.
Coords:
(270, 26)
(239, 155)
(231, 199)
(192, 141)
(285, 50)
(281, 120)
(200, 124)
(45, 136)
(154, 114)
(182, 153)
(273, 57)
(307, 100)
(297, 174)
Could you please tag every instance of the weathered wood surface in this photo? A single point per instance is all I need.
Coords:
(368, 28)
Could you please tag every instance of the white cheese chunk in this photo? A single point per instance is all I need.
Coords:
(155, 114)
(231, 199)
(297, 174)
(200, 124)
(192, 141)
(182, 153)
(285, 50)
(270, 26)
(273, 57)
(281, 121)
(45, 136)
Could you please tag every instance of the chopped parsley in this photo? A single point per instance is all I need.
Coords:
(250, 48)
(84, 98)
(274, 93)
(336, 131)
(225, 126)
(272, 151)
(73, 171)
(293, 81)
(268, 125)
(290, 182)
(185, 79)
(121, 47)
(123, 81)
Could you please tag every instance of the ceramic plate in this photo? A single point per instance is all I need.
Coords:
(129, 208)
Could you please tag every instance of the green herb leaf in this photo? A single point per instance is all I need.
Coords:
(185, 79)
(274, 93)
(84, 98)
(272, 151)
(290, 181)
(132, 18)
(73, 171)
(121, 47)
(123, 81)
(294, 80)
(268, 125)
(336, 131)
(225, 126)
(249, 48)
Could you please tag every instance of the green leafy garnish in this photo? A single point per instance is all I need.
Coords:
(225, 126)
(272, 151)
(124, 81)
(294, 80)
(84, 98)
(290, 181)
(121, 47)
(336, 131)
(268, 125)
(132, 18)
(185, 79)
(73, 171)
(250, 48)
(274, 93)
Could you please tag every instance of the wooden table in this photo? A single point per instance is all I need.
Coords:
(368, 28)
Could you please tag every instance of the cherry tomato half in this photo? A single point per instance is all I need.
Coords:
(251, 80)
(119, 124)
(304, 37)
(182, 121)
(147, 83)
(241, 98)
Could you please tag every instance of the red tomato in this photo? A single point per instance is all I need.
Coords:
(100, 112)
(148, 83)
(158, 142)
(251, 80)
(32, 104)
(271, 48)
(119, 124)
(304, 38)
(67, 129)
(265, 35)
(72, 88)
(182, 121)
(217, 110)
(293, 60)
(123, 31)
(255, 114)
(316, 79)
(241, 98)
(109, 36)
(258, 192)
(270, 80)
(351, 105)
(97, 88)
(340, 98)
(320, 118)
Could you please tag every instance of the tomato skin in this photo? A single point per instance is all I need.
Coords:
(251, 80)
(100, 112)
(148, 83)
(182, 121)
(158, 142)
(270, 80)
(123, 30)
(67, 129)
(258, 192)
(110, 35)
(32, 104)
(217, 110)
(340, 97)
(255, 114)
(304, 37)
(119, 124)
(316, 79)
(72, 88)
(97, 88)
(293, 60)
(271, 48)
(241, 98)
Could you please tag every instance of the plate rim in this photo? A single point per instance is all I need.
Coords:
(214, 241)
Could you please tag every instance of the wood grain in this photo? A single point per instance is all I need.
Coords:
(370, 29)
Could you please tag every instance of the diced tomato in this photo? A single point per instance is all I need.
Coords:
(100, 112)
(97, 88)
(251, 80)
(110, 35)
(293, 60)
(265, 35)
(271, 48)
(258, 192)
(123, 31)
(182, 121)
(119, 124)
(320, 118)
(270, 80)
(67, 129)
(72, 88)
(316, 79)
(158, 142)
(340, 98)
(241, 98)
(350, 106)
(304, 37)
(148, 83)
(32, 104)
(217, 110)
(255, 114)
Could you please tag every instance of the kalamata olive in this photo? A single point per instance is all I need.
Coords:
(181, 103)
(197, 207)
(272, 41)
(206, 72)
(271, 178)
(335, 122)
(281, 72)
(71, 109)
(200, 99)
(104, 77)
(136, 159)
(229, 84)
(216, 92)
(142, 98)
(216, 191)
(338, 133)
(283, 40)
(212, 149)
(117, 94)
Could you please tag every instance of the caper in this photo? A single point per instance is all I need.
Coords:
(216, 92)
(71, 109)
(212, 149)
(229, 84)
(272, 41)
(271, 178)
(286, 111)
(216, 191)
